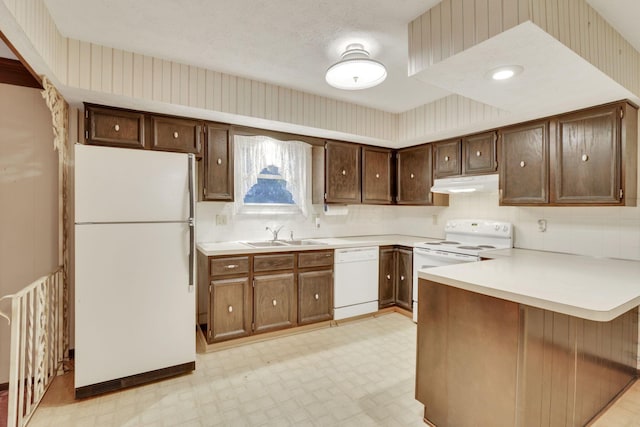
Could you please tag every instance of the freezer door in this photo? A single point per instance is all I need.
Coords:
(126, 185)
(134, 310)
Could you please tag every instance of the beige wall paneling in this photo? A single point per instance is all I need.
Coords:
(28, 196)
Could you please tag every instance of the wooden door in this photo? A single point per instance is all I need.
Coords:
(479, 154)
(315, 296)
(376, 175)
(387, 277)
(414, 179)
(273, 302)
(229, 309)
(524, 164)
(218, 164)
(178, 135)
(447, 159)
(114, 127)
(404, 278)
(587, 157)
(342, 172)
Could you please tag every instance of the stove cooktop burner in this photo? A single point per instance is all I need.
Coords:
(486, 246)
(471, 248)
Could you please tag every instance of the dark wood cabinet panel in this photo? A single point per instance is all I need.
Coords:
(395, 282)
(273, 262)
(387, 276)
(177, 135)
(217, 182)
(342, 172)
(315, 296)
(524, 166)
(414, 179)
(114, 127)
(447, 159)
(404, 278)
(587, 157)
(226, 266)
(273, 302)
(230, 314)
(376, 175)
(315, 259)
(479, 154)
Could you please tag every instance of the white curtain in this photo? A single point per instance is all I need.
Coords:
(255, 156)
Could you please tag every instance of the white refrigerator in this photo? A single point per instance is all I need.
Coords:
(134, 267)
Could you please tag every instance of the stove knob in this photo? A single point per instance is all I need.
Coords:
(505, 228)
(497, 227)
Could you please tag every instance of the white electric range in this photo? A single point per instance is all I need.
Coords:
(465, 240)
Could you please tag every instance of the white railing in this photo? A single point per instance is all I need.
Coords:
(36, 344)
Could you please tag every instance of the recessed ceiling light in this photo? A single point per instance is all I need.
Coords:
(356, 70)
(504, 73)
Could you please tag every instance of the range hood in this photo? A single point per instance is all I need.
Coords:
(466, 184)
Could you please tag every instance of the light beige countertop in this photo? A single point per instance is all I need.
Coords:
(591, 288)
(234, 248)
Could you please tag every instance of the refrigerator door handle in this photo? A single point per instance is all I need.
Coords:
(192, 236)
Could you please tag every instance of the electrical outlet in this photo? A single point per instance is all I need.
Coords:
(542, 225)
(221, 220)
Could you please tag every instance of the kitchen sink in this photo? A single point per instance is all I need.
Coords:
(279, 243)
(266, 243)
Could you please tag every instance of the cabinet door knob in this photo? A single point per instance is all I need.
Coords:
(446, 158)
(274, 302)
(585, 157)
(522, 164)
(478, 153)
(412, 176)
(175, 135)
(116, 128)
(219, 161)
(388, 277)
(401, 277)
(377, 175)
(317, 297)
(344, 172)
(230, 309)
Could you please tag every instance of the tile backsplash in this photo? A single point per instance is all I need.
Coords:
(596, 231)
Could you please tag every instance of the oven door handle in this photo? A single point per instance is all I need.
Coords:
(446, 255)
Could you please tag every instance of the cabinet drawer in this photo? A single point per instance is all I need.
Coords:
(171, 134)
(273, 262)
(115, 128)
(227, 266)
(315, 259)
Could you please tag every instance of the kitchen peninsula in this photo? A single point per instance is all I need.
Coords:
(528, 338)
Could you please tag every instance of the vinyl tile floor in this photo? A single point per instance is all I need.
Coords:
(357, 374)
(360, 373)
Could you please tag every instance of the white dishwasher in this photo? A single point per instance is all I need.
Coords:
(355, 286)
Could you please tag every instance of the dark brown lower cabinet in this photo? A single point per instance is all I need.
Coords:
(395, 283)
(230, 302)
(242, 295)
(273, 302)
(315, 296)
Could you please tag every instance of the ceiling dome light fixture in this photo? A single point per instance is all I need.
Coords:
(356, 70)
(505, 73)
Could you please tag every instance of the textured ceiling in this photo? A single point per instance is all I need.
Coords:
(285, 42)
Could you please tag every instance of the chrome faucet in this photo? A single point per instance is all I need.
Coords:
(275, 231)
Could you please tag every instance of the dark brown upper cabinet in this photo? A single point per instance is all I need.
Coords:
(584, 158)
(342, 173)
(587, 161)
(447, 159)
(217, 170)
(377, 175)
(177, 135)
(414, 177)
(114, 127)
(479, 154)
(524, 167)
